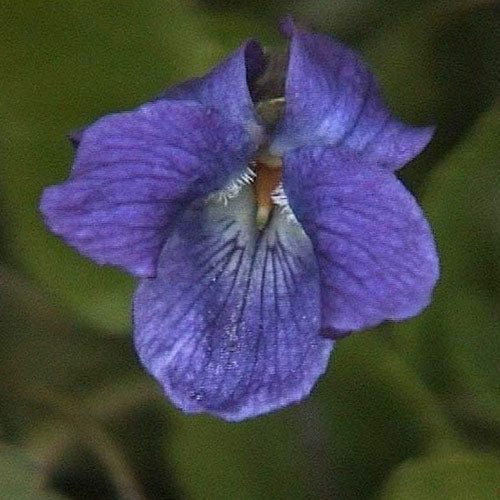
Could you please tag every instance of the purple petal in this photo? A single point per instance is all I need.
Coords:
(226, 87)
(376, 254)
(75, 137)
(230, 324)
(134, 172)
(332, 98)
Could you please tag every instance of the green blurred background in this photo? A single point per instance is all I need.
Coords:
(406, 411)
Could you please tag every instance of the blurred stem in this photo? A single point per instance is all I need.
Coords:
(102, 404)
(93, 436)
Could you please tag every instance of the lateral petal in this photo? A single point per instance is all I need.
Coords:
(135, 171)
(227, 86)
(376, 253)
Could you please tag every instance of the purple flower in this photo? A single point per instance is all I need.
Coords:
(258, 206)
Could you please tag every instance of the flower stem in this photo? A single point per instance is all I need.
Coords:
(94, 436)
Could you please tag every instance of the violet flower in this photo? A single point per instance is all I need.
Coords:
(260, 210)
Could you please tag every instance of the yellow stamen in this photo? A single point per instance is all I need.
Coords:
(268, 177)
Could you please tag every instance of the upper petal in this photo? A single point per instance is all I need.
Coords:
(135, 171)
(230, 324)
(376, 254)
(332, 98)
(226, 87)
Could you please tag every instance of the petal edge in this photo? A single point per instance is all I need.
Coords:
(333, 99)
(376, 253)
(230, 324)
(134, 172)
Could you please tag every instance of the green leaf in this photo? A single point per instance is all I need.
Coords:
(64, 66)
(369, 413)
(42, 348)
(416, 50)
(454, 477)
(21, 477)
(456, 343)
(437, 66)
(379, 412)
(214, 459)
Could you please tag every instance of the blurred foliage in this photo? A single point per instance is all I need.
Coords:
(408, 411)
(22, 477)
(454, 477)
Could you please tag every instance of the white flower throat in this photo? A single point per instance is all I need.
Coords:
(265, 172)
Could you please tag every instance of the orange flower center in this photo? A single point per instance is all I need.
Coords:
(267, 179)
